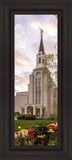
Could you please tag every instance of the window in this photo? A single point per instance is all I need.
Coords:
(37, 111)
(23, 111)
(38, 91)
(29, 110)
(38, 73)
(39, 59)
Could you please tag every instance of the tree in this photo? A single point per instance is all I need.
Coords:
(50, 65)
(50, 69)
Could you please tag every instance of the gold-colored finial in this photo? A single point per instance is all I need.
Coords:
(41, 31)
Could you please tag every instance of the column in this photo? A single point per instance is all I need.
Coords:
(34, 111)
(41, 112)
(25, 110)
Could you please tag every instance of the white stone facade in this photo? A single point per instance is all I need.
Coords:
(38, 100)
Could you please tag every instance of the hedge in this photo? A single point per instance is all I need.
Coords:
(26, 117)
(16, 113)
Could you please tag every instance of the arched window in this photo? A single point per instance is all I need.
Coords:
(38, 73)
(29, 110)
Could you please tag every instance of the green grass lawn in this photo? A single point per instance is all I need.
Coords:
(25, 123)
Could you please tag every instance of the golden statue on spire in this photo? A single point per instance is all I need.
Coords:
(41, 30)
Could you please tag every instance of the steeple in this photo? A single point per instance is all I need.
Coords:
(41, 54)
(41, 47)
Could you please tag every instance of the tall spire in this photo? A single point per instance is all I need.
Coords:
(41, 47)
(41, 54)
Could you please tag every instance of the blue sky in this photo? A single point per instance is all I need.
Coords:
(27, 40)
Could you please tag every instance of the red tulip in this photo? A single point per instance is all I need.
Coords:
(30, 132)
(31, 136)
(52, 126)
(16, 132)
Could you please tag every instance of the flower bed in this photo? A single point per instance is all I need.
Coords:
(38, 135)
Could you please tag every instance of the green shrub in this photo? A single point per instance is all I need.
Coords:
(40, 129)
(21, 117)
(26, 117)
(30, 117)
(16, 113)
(53, 142)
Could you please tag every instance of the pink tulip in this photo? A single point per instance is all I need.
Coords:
(30, 122)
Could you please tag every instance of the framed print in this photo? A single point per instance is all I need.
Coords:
(35, 105)
(36, 80)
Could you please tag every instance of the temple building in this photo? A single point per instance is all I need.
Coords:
(39, 99)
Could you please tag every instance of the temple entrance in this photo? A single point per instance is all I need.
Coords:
(29, 110)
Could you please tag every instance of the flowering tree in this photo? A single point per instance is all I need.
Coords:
(50, 69)
(50, 66)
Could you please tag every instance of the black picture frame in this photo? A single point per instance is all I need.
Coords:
(7, 10)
